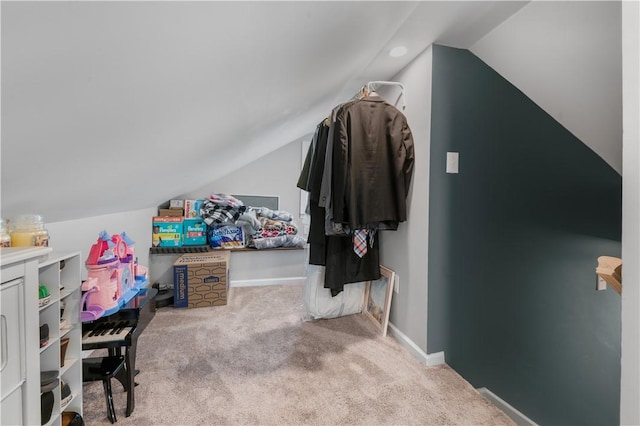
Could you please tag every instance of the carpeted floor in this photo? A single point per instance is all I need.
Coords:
(255, 362)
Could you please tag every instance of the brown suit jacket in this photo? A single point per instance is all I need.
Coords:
(373, 159)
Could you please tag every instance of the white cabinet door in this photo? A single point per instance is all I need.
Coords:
(11, 411)
(11, 345)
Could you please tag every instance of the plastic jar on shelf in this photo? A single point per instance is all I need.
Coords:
(5, 237)
(29, 230)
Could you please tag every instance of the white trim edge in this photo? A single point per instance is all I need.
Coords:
(427, 359)
(267, 281)
(436, 358)
(503, 405)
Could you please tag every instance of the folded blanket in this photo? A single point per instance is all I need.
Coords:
(225, 200)
(273, 214)
(221, 209)
(249, 221)
(274, 228)
(279, 241)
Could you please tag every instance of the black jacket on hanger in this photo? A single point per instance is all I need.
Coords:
(369, 166)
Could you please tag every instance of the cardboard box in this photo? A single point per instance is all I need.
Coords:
(171, 212)
(195, 232)
(176, 204)
(192, 208)
(167, 231)
(201, 279)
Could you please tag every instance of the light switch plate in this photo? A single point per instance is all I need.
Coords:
(602, 284)
(452, 162)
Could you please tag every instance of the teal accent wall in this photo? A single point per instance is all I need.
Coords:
(513, 245)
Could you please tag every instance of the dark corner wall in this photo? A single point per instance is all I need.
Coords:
(513, 245)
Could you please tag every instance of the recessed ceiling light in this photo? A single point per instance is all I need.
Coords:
(398, 51)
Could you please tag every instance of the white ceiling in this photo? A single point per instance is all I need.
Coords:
(118, 106)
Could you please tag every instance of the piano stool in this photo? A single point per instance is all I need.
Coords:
(103, 368)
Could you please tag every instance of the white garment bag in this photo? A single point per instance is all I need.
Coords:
(319, 303)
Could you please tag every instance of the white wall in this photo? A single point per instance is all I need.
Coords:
(565, 56)
(245, 267)
(275, 174)
(630, 380)
(81, 234)
(405, 250)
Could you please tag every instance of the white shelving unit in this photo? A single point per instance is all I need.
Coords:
(61, 274)
(21, 357)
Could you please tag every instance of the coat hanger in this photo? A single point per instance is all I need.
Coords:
(369, 90)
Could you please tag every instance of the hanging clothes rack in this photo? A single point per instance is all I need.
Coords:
(373, 85)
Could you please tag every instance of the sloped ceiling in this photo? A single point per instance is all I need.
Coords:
(118, 106)
(567, 57)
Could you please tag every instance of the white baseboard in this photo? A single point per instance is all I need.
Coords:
(436, 358)
(510, 411)
(267, 281)
(427, 359)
